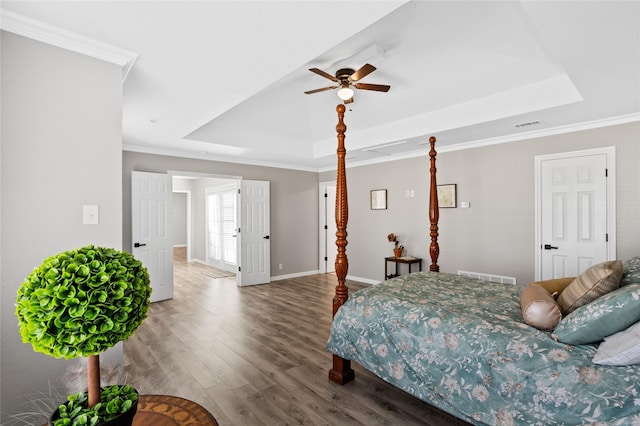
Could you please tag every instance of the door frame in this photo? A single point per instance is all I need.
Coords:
(610, 155)
(221, 264)
(197, 175)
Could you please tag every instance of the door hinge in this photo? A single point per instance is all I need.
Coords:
(239, 268)
(326, 227)
(239, 191)
(238, 230)
(606, 237)
(326, 259)
(606, 172)
(326, 195)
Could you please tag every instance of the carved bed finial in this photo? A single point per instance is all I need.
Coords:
(434, 211)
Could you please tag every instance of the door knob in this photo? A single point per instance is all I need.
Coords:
(139, 244)
(266, 237)
(550, 247)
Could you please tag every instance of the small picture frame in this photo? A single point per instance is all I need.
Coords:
(447, 195)
(378, 199)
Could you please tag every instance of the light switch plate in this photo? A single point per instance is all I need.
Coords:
(90, 214)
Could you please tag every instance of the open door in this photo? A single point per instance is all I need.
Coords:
(151, 232)
(254, 245)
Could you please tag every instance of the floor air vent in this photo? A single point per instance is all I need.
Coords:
(489, 277)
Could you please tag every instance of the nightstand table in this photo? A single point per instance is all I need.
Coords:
(409, 260)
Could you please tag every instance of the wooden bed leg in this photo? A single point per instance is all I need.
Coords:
(434, 211)
(341, 372)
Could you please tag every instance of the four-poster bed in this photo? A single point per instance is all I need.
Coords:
(462, 345)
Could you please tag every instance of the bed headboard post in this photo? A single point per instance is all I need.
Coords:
(341, 371)
(434, 211)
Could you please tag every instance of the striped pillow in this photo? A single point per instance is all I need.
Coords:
(596, 281)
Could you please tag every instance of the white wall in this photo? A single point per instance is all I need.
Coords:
(61, 149)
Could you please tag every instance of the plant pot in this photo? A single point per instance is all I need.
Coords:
(397, 252)
(123, 419)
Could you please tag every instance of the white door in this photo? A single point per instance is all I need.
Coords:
(576, 213)
(151, 235)
(254, 239)
(327, 237)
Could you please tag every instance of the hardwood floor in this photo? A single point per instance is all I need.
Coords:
(255, 356)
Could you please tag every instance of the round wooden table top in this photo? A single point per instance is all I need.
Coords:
(166, 410)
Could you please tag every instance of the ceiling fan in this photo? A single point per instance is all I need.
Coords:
(347, 77)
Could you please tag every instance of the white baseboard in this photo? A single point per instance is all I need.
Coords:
(296, 275)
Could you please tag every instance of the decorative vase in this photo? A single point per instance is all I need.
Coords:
(123, 419)
(397, 252)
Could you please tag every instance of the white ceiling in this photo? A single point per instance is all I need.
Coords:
(224, 80)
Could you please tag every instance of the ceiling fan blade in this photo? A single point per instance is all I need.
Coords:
(376, 87)
(324, 74)
(365, 70)
(310, 92)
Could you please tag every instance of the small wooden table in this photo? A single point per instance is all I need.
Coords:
(409, 260)
(166, 410)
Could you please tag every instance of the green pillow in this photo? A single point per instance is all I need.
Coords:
(630, 271)
(613, 312)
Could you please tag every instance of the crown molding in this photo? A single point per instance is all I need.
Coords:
(31, 28)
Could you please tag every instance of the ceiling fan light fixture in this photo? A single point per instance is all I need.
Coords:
(345, 93)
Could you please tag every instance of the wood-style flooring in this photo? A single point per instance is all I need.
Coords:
(255, 356)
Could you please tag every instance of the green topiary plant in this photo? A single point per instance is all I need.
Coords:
(82, 302)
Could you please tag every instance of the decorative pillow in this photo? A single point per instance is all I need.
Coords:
(622, 348)
(556, 286)
(594, 282)
(539, 308)
(630, 271)
(603, 317)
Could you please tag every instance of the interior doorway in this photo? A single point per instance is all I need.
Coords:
(192, 214)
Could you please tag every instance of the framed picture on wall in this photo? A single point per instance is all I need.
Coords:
(447, 195)
(378, 199)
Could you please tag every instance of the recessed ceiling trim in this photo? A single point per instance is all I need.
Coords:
(36, 30)
(558, 130)
(386, 145)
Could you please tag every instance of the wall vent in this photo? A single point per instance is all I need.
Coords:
(530, 123)
(489, 277)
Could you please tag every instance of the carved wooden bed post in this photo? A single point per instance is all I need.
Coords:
(341, 371)
(434, 211)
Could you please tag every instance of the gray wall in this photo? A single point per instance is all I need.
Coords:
(61, 149)
(179, 219)
(495, 235)
(294, 204)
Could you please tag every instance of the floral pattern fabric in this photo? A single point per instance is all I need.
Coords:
(461, 344)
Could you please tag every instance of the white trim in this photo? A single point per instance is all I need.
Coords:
(610, 154)
(36, 30)
(363, 280)
(212, 157)
(588, 125)
(559, 130)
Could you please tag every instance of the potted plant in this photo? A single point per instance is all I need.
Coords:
(397, 247)
(80, 303)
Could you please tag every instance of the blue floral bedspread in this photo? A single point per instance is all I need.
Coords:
(461, 344)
